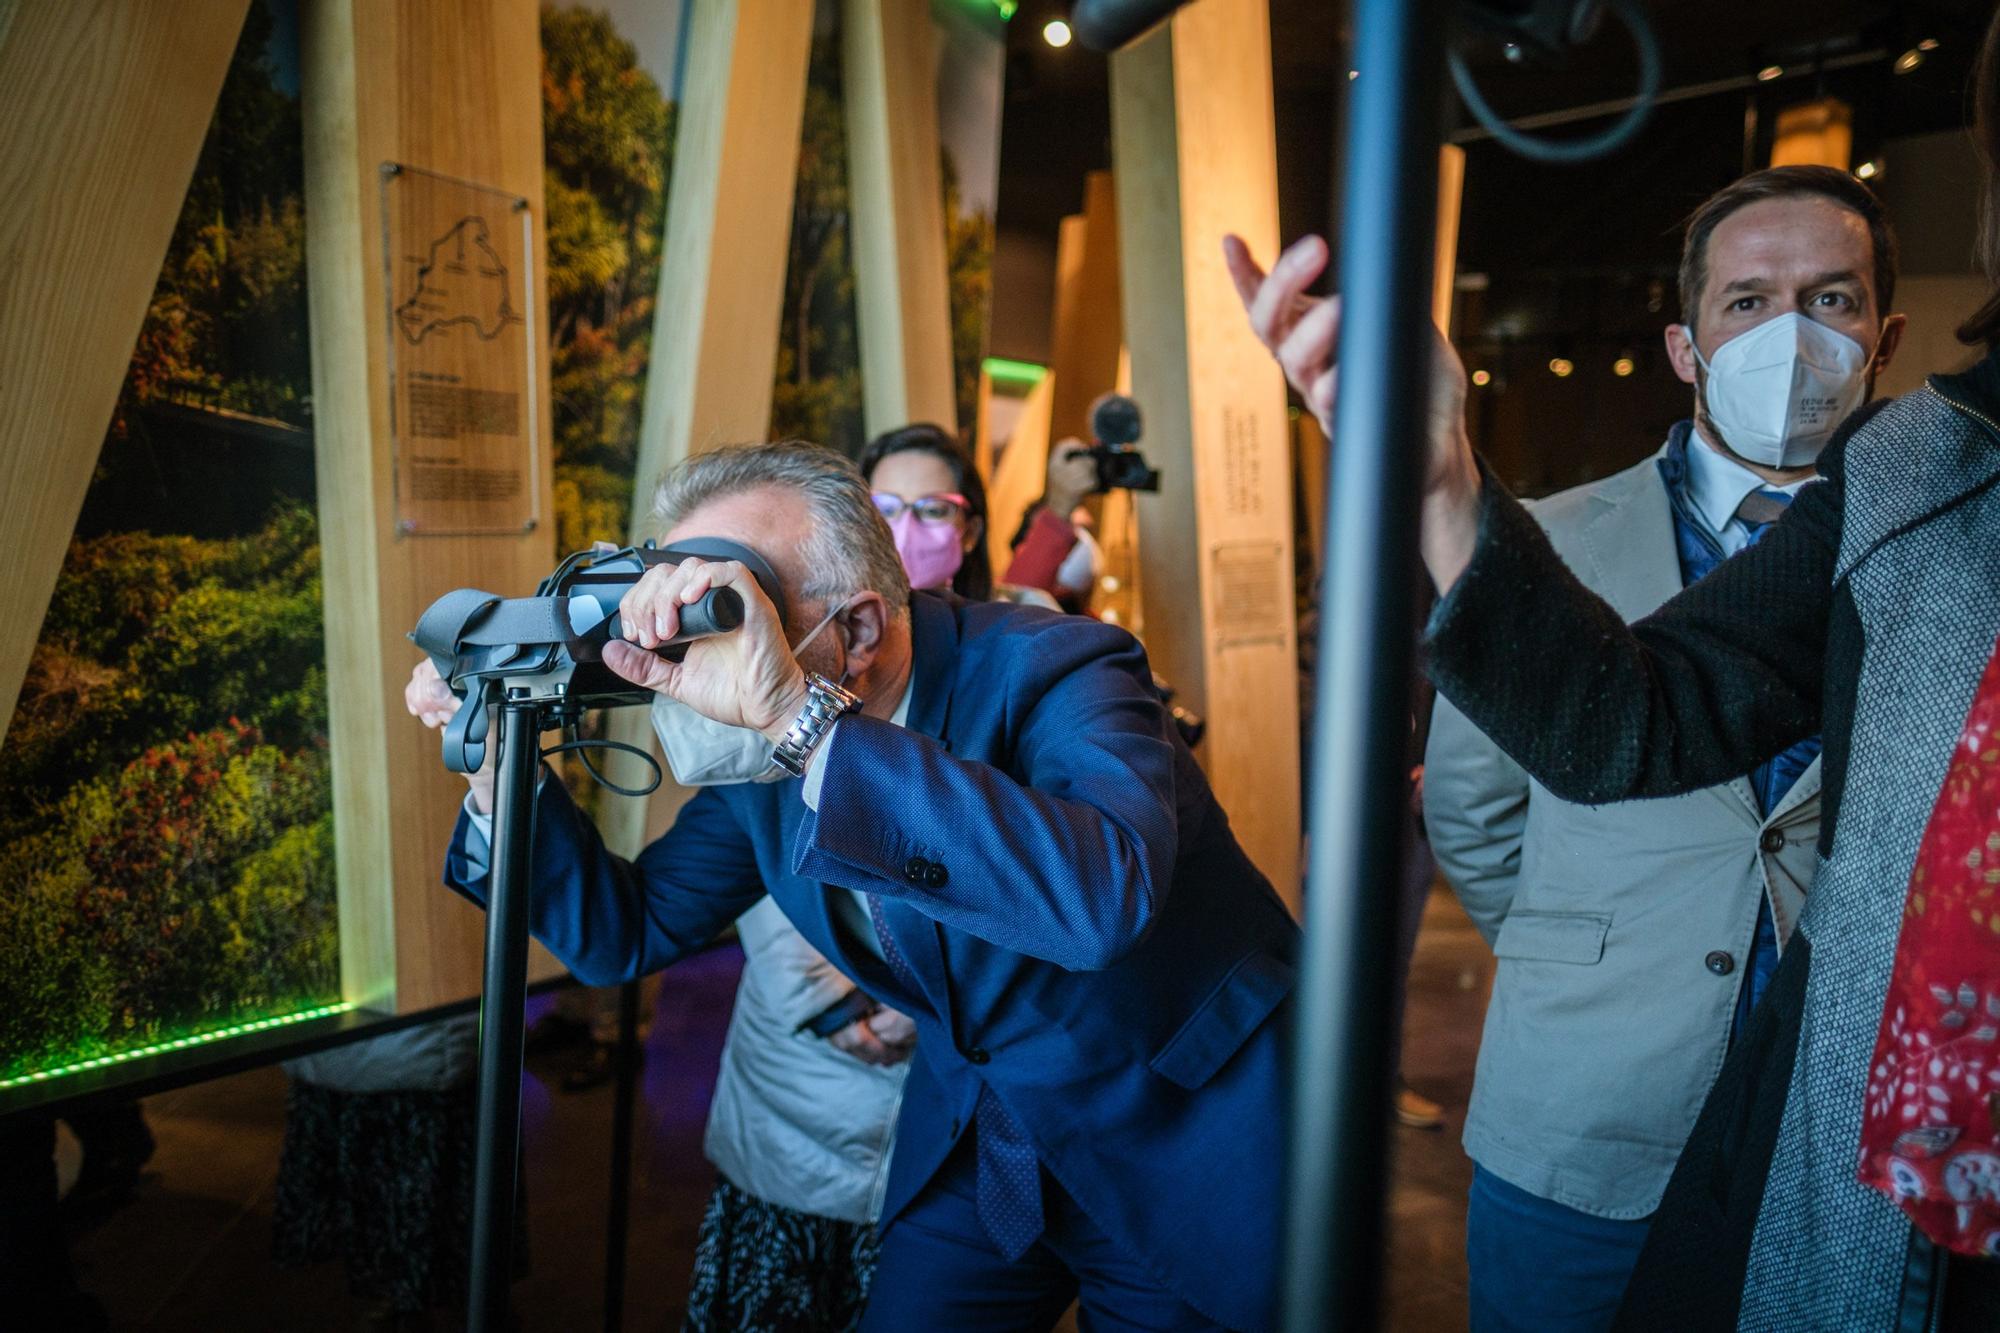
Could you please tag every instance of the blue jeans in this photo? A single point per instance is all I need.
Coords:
(1542, 1267)
(938, 1270)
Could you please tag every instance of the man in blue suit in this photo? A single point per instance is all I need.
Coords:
(986, 818)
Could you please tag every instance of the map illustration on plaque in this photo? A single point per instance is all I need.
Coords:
(463, 284)
(460, 360)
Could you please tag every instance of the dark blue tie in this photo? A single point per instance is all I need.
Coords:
(1010, 1175)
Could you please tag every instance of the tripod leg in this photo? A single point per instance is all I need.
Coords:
(497, 1145)
(618, 1224)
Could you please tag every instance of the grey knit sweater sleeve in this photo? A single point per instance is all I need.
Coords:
(1719, 679)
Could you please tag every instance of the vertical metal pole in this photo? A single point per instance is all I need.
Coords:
(617, 1224)
(1340, 1108)
(497, 1142)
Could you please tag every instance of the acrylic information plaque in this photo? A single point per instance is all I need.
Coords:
(460, 356)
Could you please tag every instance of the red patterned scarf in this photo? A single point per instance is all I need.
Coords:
(1930, 1129)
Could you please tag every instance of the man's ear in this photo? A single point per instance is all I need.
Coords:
(1680, 352)
(1886, 345)
(867, 619)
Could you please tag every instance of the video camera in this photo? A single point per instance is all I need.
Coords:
(550, 647)
(1115, 425)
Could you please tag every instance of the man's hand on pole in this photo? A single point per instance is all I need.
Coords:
(745, 678)
(1302, 331)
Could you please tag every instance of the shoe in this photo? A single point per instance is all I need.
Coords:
(554, 1031)
(1417, 1112)
(597, 1069)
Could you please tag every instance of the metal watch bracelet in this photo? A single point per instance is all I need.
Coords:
(825, 704)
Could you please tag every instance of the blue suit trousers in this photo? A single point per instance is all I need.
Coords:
(939, 1271)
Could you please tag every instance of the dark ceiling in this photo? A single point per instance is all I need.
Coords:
(1057, 119)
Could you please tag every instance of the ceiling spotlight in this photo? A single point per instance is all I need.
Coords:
(1623, 367)
(1056, 33)
(1561, 367)
(1482, 378)
(1928, 44)
(1909, 60)
(1869, 170)
(1769, 72)
(1353, 74)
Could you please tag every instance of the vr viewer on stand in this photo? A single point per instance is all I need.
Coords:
(986, 819)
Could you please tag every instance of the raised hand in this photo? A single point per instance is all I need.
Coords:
(1302, 331)
(745, 678)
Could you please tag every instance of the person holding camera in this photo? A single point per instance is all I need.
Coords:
(983, 815)
(1053, 550)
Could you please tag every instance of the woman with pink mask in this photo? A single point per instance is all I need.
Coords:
(927, 488)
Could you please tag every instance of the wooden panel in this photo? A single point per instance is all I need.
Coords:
(1019, 474)
(896, 209)
(105, 107)
(1088, 334)
(1194, 150)
(1444, 267)
(722, 278)
(451, 86)
(722, 282)
(1818, 133)
(1021, 471)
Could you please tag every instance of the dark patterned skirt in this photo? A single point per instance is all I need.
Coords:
(382, 1181)
(760, 1268)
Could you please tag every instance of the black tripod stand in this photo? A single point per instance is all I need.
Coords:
(519, 720)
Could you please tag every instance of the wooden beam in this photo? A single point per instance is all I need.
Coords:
(1194, 151)
(105, 108)
(896, 208)
(1018, 474)
(722, 284)
(1088, 336)
(1444, 269)
(452, 87)
(722, 277)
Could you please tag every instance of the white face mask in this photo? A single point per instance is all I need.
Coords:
(705, 753)
(1777, 392)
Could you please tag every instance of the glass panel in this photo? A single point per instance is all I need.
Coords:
(608, 136)
(817, 392)
(166, 846)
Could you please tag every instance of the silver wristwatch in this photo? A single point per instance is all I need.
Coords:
(826, 703)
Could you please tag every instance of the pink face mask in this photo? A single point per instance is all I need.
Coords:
(931, 551)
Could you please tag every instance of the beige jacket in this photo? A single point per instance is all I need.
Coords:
(1622, 932)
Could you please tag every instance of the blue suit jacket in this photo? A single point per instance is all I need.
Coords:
(1090, 939)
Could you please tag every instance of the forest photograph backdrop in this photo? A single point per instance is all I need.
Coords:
(166, 842)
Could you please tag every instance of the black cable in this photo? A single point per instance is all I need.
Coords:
(582, 748)
(1538, 149)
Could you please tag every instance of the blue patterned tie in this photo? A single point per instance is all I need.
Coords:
(1010, 1175)
(1772, 779)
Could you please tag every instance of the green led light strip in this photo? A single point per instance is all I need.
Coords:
(1013, 372)
(178, 1044)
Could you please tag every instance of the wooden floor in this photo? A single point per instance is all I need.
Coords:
(192, 1252)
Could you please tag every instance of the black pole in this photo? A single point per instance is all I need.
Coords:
(617, 1225)
(1341, 1086)
(503, 997)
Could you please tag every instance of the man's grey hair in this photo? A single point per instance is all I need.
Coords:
(848, 548)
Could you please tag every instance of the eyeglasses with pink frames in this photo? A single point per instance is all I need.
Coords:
(928, 508)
